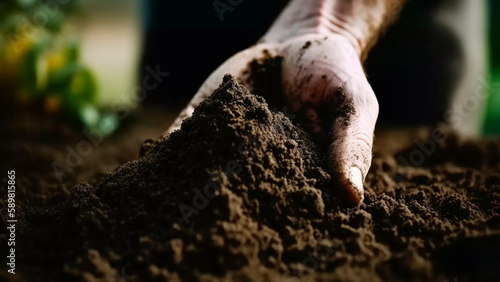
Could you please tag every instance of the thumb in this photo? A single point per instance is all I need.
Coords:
(350, 151)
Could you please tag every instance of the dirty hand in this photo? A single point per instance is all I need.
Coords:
(322, 44)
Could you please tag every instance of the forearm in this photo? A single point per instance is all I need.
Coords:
(360, 21)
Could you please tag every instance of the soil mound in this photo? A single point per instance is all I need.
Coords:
(240, 193)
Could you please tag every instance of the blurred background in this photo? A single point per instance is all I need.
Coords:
(95, 63)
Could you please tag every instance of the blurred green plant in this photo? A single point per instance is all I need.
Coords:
(52, 12)
(39, 61)
(492, 117)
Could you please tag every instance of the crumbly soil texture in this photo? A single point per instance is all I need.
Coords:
(241, 193)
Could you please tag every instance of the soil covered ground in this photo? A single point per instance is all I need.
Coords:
(241, 193)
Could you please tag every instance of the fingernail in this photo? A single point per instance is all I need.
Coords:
(356, 179)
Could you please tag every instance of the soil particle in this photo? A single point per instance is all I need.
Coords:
(306, 45)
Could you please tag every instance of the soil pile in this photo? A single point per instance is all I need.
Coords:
(241, 193)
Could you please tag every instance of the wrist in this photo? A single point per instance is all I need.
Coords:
(359, 25)
(361, 21)
(358, 21)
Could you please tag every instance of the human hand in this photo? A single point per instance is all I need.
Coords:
(323, 79)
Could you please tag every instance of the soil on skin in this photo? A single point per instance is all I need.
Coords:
(240, 193)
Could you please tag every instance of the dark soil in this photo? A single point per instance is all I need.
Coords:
(240, 193)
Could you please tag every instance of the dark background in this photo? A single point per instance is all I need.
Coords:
(413, 69)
